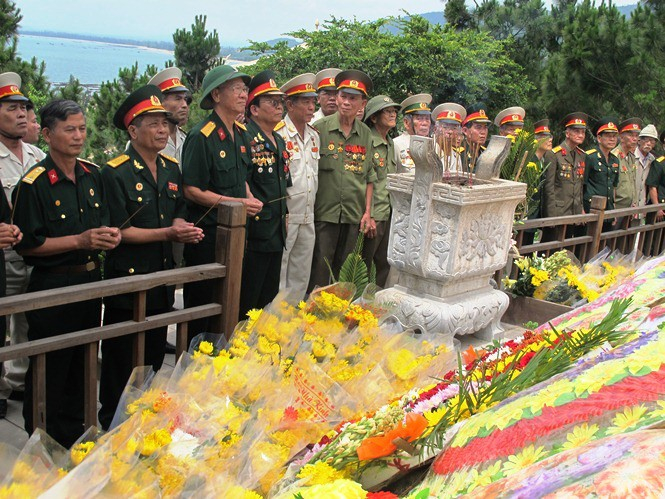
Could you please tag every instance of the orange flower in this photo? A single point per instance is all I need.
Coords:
(375, 447)
(471, 354)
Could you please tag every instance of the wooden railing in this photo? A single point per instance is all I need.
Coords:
(625, 229)
(226, 273)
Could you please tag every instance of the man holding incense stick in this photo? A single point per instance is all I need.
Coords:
(144, 188)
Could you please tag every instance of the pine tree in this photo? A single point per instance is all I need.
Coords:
(196, 52)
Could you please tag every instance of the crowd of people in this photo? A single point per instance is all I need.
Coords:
(311, 181)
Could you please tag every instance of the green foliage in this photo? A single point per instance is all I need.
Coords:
(460, 66)
(104, 140)
(73, 90)
(354, 269)
(196, 52)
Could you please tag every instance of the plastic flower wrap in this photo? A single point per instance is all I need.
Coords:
(628, 465)
(614, 393)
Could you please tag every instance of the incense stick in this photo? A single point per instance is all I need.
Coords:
(133, 215)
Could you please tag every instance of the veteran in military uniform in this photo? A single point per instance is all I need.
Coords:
(215, 158)
(381, 117)
(16, 158)
(448, 119)
(144, 187)
(601, 174)
(267, 178)
(656, 181)
(510, 121)
(326, 93)
(563, 190)
(346, 178)
(475, 128)
(627, 192)
(303, 144)
(417, 121)
(176, 99)
(62, 209)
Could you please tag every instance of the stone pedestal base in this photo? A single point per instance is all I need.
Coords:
(475, 312)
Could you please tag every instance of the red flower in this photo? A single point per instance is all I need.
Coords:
(381, 495)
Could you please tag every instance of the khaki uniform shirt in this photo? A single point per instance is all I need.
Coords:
(305, 153)
(174, 149)
(318, 115)
(345, 169)
(402, 143)
(11, 171)
(626, 192)
(212, 161)
(383, 160)
(564, 181)
(643, 167)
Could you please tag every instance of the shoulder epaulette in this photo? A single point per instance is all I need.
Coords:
(661, 159)
(115, 162)
(556, 149)
(241, 126)
(208, 128)
(86, 165)
(170, 158)
(279, 126)
(182, 130)
(591, 151)
(32, 175)
(313, 127)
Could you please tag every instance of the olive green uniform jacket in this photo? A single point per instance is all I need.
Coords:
(563, 189)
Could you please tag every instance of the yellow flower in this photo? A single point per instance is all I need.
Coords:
(433, 417)
(330, 304)
(485, 477)
(626, 420)
(538, 276)
(319, 473)
(521, 460)
(253, 315)
(237, 492)
(79, 452)
(660, 412)
(206, 348)
(580, 435)
(155, 441)
(338, 489)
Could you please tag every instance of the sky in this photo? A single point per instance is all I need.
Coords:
(235, 21)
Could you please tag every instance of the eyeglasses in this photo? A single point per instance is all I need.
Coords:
(274, 102)
(239, 89)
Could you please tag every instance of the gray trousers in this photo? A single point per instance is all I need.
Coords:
(18, 275)
(334, 242)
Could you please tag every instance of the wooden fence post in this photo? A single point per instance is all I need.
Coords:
(229, 251)
(594, 229)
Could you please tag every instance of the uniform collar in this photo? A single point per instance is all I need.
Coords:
(55, 174)
(336, 125)
(27, 149)
(377, 140)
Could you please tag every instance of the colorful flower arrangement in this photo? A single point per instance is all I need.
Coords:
(611, 394)
(560, 278)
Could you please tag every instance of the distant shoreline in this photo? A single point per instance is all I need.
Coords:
(152, 46)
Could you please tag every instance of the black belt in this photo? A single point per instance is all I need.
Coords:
(71, 269)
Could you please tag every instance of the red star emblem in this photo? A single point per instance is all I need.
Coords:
(52, 176)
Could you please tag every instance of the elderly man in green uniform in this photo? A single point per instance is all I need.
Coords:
(267, 178)
(62, 209)
(417, 121)
(381, 117)
(327, 93)
(144, 188)
(304, 146)
(601, 173)
(215, 159)
(627, 191)
(563, 189)
(475, 128)
(643, 152)
(448, 119)
(510, 121)
(656, 181)
(346, 178)
(16, 157)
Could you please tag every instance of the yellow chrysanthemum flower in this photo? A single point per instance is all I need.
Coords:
(580, 435)
(319, 473)
(627, 420)
(521, 460)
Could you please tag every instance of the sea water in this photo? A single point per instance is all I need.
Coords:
(90, 62)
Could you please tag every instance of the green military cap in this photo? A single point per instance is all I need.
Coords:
(542, 127)
(417, 104)
(576, 120)
(325, 79)
(262, 83)
(10, 87)
(449, 112)
(169, 80)
(354, 82)
(606, 125)
(630, 125)
(147, 99)
(378, 103)
(214, 78)
(303, 85)
(510, 116)
(476, 113)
